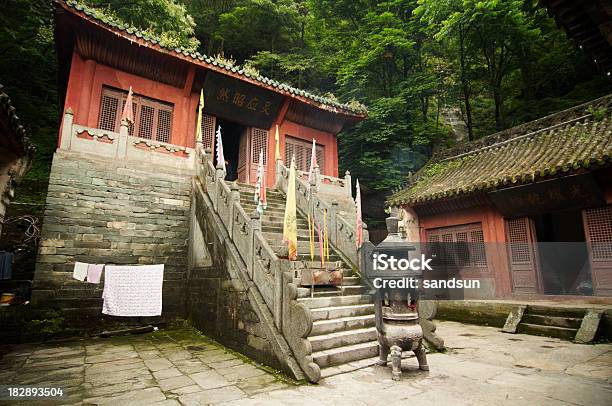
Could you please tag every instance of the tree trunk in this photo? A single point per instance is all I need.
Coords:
(465, 86)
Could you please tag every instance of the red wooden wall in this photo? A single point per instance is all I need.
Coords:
(83, 95)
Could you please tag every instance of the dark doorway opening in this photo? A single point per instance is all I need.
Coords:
(231, 133)
(563, 254)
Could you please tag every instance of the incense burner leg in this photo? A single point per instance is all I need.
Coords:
(419, 352)
(383, 353)
(396, 362)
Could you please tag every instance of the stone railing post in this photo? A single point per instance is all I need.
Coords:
(233, 198)
(317, 176)
(123, 140)
(67, 129)
(219, 175)
(347, 184)
(333, 222)
(255, 225)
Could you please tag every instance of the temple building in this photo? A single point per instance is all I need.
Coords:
(148, 190)
(515, 197)
(100, 60)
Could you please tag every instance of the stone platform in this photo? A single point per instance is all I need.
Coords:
(178, 367)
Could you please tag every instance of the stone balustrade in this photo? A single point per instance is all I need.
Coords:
(121, 145)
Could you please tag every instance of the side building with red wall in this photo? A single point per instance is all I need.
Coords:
(532, 205)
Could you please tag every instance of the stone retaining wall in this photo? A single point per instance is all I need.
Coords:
(99, 210)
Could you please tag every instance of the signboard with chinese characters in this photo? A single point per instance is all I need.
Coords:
(570, 192)
(238, 101)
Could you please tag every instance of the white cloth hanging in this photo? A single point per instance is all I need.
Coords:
(133, 290)
(80, 271)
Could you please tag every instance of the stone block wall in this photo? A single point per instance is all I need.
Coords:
(100, 210)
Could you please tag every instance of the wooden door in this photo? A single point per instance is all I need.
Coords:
(243, 154)
(598, 233)
(258, 142)
(522, 255)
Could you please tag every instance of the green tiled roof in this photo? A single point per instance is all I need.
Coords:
(584, 141)
(203, 59)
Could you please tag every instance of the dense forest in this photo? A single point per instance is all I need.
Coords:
(416, 65)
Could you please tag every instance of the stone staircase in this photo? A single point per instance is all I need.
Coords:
(343, 336)
(556, 322)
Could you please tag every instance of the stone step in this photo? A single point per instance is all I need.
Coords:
(304, 291)
(554, 321)
(353, 289)
(342, 338)
(547, 331)
(345, 354)
(337, 312)
(350, 367)
(316, 303)
(79, 293)
(77, 302)
(556, 311)
(271, 236)
(344, 323)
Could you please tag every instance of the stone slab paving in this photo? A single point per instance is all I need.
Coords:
(178, 367)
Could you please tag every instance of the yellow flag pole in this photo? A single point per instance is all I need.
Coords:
(325, 234)
(311, 237)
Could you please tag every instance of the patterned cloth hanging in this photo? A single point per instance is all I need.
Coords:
(128, 112)
(313, 164)
(359, 222)
(220, 155)
(260, 185)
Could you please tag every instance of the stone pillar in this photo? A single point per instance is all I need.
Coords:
(67, 129)
(123, 140)
(233, 198)
(333, 224)
(347, 184)
(317, 173)
(255, 225)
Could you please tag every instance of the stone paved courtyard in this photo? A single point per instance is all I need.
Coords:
(482, 366)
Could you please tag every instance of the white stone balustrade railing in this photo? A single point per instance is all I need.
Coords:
(328, 185)
(272, 277)
(122, 146)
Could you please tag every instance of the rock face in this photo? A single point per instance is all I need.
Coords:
(109, 212)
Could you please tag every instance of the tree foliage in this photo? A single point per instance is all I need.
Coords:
(497, 63)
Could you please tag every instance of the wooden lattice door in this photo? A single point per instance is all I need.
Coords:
(259, 142)
(598, 233)
(243, 153)
(522, 255)
(208, 131)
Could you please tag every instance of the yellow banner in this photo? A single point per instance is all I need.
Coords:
(290, 220)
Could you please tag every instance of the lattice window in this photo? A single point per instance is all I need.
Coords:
(302, 151)
(259, 141)
(145, 124)
(108, 112)
(599, 230)
(208, 131)
(164, 125)
(518, 238)
(152, 118)
(459, 246)
(477, 248)
(320, 152)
